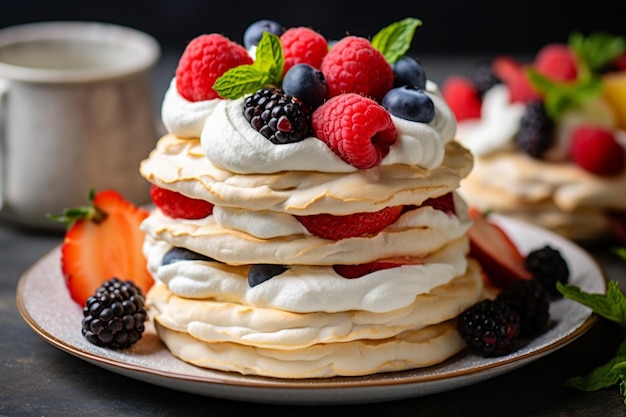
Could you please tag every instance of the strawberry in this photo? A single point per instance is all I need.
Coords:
(204, 60)
(557, 61)
(513, 74)
(333, 227)
(179, 206)
(353, 65)
(501, 260)
(596, 150)
(462, 98)
(302, 45)
(444, 203)
(103, 241)
(357, 271)
(357, 129)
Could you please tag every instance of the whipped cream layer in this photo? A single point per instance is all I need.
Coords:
(180, 165)
(229, 141)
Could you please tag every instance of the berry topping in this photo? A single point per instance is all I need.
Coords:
(103, 240)
(279, 117)
(596, 150)
(179, 206)
(513, 74)
(302, 45)
(462, 98)
(490, 327)
(357, 271)
(536, 131)
(306, 83)
(254, 32)
(260, 273)
(356, 128)
(203, 61)
(499, 257)
(548, 267)
(353, 65)
(333, 227)
(177, 254)
(409, 103)
(531, 300)
(557, 61)
(114, 316)
(444, 203)
(408, 71)
(483, 77)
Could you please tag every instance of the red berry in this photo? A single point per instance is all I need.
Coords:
(357, 129)
(179, 206)
(302, 45)
(462, 98)
(353, 65)
(357, 271)
(596, 150)
(204, 60)
(444, 203)
(556, 61)
(333, 227)
(513, 74)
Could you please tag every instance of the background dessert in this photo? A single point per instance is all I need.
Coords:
(286, 237)
(548, 136)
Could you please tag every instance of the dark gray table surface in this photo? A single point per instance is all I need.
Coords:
(38, 379)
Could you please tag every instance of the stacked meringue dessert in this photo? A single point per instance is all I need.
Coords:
(549, 136)
(306, 221)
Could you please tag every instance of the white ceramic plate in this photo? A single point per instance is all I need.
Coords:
(45, 304)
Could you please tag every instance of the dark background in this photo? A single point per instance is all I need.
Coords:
(450, 27)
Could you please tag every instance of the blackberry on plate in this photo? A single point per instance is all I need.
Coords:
(483, 77)
(536, 130)
(548, 266)
(114, 316)
(531, 300)
(490, 327)
(279, 117)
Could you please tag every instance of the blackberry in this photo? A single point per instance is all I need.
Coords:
(279, 117)
(536, 130)
(531, 300)
(548, 266)
(114, 316)
(483, 77)
(490, 327)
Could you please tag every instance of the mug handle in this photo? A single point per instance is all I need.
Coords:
(4, 89)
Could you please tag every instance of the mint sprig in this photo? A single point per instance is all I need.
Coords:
(266, 69)
(611, 306)
(394, 40)
(598, 50)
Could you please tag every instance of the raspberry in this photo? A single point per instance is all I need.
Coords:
(353, 65)
(536, 130)
(302, 45)
(531, 300)
(114, 316)
(357, 129)
(279, 117)
(556, 61)
(179, 206)
(548, 267)
(462, 98)
(513, 74)
(596, 150)
(333, 227)
(490, 327)
(204, 60)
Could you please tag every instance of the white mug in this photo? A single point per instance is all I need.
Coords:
(76, 112)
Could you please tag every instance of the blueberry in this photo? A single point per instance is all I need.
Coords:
(260, 273)
(177, 254)
(409, 71)
(306, 83)
(253, 33)
(410, 103)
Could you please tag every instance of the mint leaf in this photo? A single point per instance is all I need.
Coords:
(611, 305)
(598, 50)
(394, 40)
(267, 68)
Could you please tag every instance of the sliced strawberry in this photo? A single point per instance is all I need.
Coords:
(357, 271)
(103, 241)
(334, 227)
(501, 260)
(179, 206)
(444, 203)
